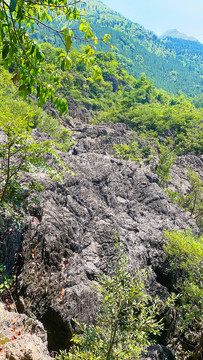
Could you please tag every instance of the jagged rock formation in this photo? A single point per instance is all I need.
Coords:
(21, 338)
(69, 238)
(101, 138)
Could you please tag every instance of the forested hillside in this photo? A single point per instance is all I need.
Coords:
(188, 52)
(111, 95)
(107, 93)
(141, 51)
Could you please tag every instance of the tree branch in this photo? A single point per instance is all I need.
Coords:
(41, 23)
(56, 6)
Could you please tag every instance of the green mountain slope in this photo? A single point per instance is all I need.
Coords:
(189, 52)
(141, 51)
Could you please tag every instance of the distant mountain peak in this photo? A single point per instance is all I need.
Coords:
(174, 33)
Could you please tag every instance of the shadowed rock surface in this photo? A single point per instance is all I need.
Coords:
(158, 352)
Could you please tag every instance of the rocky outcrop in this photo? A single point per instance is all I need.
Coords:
(101, 138)
(69, 238)
(21, 338)
(78, 113)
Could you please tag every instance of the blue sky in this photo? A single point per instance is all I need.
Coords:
(160, 15)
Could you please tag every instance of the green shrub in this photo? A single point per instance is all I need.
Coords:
(193, 200)
(184, 254)
(136, 150)
(125, 321)
(20, 154)
(6, 282)
(166, 160)
(128, 152)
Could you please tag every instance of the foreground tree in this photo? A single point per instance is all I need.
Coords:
(21, 154)
(23, 55)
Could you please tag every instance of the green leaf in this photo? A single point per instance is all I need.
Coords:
(82, 26)
(5, 50)
(68, 43)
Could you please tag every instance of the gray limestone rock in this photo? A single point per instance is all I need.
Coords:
(68, 239)
(72, 240)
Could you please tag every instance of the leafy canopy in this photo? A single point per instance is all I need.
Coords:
(23, 56)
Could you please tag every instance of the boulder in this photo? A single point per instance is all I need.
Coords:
(21, 338)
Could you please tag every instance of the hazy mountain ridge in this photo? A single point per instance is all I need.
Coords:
(177, 35)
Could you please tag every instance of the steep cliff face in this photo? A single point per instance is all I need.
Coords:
(69, 237)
